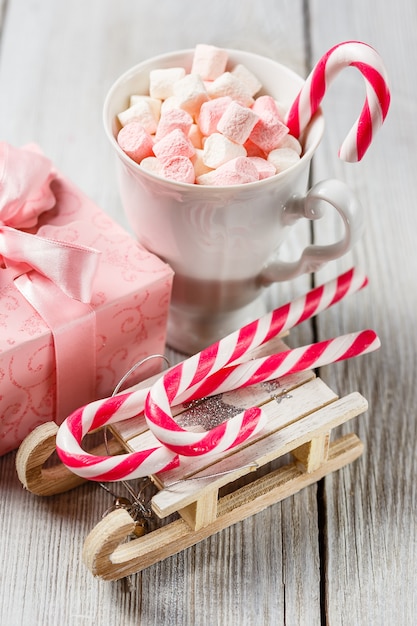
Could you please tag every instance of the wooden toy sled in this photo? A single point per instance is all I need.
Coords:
(293, 451)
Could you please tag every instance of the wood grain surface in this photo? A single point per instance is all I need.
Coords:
(340, 552)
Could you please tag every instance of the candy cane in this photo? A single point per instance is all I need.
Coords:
(229, 350)
(369, 63)
(239, 428)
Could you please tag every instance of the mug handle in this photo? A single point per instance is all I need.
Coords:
(337, 194)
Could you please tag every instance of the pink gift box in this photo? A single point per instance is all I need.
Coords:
(59, 352)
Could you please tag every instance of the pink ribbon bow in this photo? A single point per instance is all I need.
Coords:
(55, 277)
(25, 193)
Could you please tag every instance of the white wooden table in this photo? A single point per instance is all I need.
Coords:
(343, 551)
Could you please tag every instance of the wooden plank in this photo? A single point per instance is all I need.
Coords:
(369, 509)
(312, 454)
(265, 450)
(108, 557)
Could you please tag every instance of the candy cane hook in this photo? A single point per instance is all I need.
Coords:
(377, 101)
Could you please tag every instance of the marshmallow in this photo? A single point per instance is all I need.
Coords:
(199, 166)
(237, 122)
(195, 136)
(219, 149)
(290, 141)
(269, 132)
(265, 168)
(154, 103)
(191, 93)
(176, 143)
(151, 164)
(170, 103)
(283, 158)
(141, 112)
(253, 150)
(178, 168)
(268, 135)
(228, 85)
(242, 73)
(211, 112)
(170, 120)
(205, 126)
(135, 141)
(238, 171)
(161, 81)
(267, 108)
(208, 61)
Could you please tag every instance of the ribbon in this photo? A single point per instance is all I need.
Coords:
(55, 277)
(71, 267)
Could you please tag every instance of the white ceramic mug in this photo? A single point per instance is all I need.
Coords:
(222, 242)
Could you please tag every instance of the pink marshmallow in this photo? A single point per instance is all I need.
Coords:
(135, 141)
(210, 114)
(237, 122)
(208, 61)
(178, 168)
(170, 120)
(265, 168)
(218, 149)
(238, 171)
(267, 108)
(176, 143)
(270, 130)
(253, 150)
(268, 134)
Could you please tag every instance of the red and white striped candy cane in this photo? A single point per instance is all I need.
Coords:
(229, 350)
(166, 391)
(369, 63)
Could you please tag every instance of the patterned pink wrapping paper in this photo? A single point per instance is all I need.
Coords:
(131, 294)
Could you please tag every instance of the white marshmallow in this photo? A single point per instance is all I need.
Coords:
(228, 85)
(191, 93)
(154, 103)
(283, 158)
(195, 136)
(151, 164)
(161, 81)
(199, 166)
(141, 112)
(208, 61)
(290, 141)
(218, 149)
(170, 103)
(247, 77)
